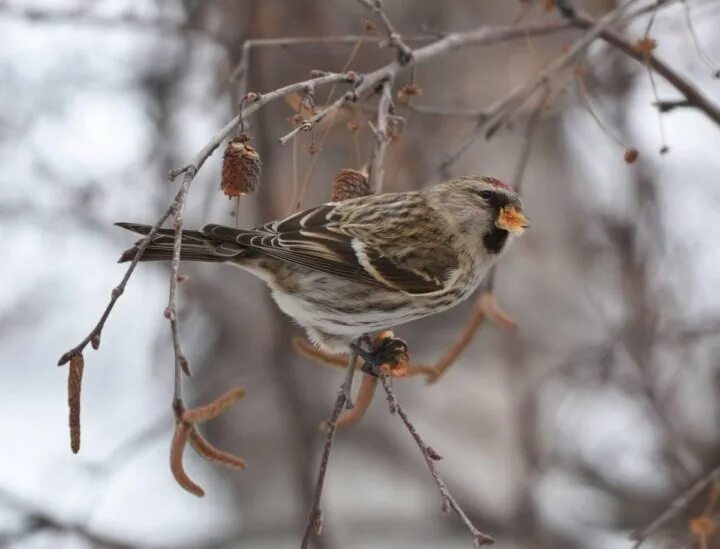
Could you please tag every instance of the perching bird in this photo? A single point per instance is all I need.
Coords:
(346, 269)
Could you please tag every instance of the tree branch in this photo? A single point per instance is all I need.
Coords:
(694, 97)
(382, 138)
(677, 505)
(394, 40)
(448, 501)
(314, 517)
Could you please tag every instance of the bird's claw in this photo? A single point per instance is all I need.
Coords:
(389, 352)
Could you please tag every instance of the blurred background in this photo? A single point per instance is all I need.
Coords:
(572, 431)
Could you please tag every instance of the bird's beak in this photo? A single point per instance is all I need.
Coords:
(512, 220)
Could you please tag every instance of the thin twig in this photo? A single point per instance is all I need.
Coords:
(299, 197)
(500, 110)
(667, 105)
(382, 138)
(181, 362)
(693, 95)
(283, 43)
(430, 110)
(709, 61)
(309, 124)
(250, 107)
(430, 457)
(524, 156)
(394, 40)
(518, 96)
(677, 505)
(192, 167)
(314, 517)
(95, 334)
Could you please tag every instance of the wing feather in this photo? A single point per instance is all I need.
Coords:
(324, 239)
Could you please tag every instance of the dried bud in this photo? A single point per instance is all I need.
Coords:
(631, 155)
(645, 45)
(241, 167)
(703, 526)
(350, 184)
(314, 149)
(318, 523)
(368, 26)
(251, 97)
(405, 93)
(664, 149)
(432, 454)
(95, 341)
(77, 364)
(184, 364)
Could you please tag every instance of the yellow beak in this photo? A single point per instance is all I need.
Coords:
(512, 220)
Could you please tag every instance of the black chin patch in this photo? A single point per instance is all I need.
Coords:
(495, 240)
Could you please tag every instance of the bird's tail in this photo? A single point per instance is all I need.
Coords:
(196, 246)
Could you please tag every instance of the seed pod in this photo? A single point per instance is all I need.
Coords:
(241, 167)
(350, 184)
(630, 155)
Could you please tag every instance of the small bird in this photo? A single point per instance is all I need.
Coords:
(346, 269)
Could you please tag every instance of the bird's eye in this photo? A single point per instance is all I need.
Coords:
(487, 195)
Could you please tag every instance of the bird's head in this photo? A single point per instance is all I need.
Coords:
(481, 207)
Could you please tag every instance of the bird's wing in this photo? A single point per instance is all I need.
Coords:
(351, 246)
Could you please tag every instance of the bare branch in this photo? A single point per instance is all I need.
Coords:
(308, 124)
(677, 505)
(518, 96)
(404, 53)
(382, 138)
(290, 41)
(314, 517)
(517, 178)
(430, 457)
(669, 105)
(693, 95)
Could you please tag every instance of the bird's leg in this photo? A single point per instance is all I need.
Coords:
(390, 351)
(347, 384)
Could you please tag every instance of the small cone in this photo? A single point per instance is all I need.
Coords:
(350, 184)
(241, 167)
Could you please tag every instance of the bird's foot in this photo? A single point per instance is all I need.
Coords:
(384, 357)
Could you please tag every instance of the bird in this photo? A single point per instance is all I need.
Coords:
(347, 269)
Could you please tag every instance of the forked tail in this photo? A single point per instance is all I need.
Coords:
(196, 246)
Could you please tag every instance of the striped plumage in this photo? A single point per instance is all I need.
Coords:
(353, 267)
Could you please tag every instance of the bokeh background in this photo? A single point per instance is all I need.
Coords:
(570, 432)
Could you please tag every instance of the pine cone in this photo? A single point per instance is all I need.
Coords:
(350, 184)
(241, 167)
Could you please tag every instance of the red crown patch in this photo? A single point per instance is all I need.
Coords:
(497, 183)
